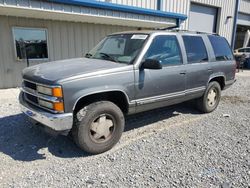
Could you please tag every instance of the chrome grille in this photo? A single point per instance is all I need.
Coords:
(29, 85)
(32, 96)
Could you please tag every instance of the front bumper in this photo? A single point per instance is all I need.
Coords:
(56, 122)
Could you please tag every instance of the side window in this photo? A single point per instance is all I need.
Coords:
(30, 42)
(247, 50)
(165, 48)
(221, 48)
(195, 48)
(241, 50)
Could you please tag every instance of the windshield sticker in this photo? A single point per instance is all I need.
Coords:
(141, 37)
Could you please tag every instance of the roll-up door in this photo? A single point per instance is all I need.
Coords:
(202, 18)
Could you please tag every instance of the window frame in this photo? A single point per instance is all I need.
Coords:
(204, 43)
(165, 35)
(30, 28)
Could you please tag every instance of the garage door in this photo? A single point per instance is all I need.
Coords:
(243, 19)
(202, 18)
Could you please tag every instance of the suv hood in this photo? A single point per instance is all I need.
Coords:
(49, 73)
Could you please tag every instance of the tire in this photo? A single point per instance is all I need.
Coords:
(206, 104)
(98, 127)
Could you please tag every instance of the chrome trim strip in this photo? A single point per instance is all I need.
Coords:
(159, 97)
(168, 96)
(193, 90)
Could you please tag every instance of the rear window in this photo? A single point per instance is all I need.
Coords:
(195, 48)
(221, 48)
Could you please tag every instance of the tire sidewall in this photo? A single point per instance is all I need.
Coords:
(93, 111)
(216, 86)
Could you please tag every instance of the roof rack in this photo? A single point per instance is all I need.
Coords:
(197, 32)
(170, 29)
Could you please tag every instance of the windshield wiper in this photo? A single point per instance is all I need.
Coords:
(109, 57)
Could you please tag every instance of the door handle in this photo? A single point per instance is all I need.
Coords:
(210, 70)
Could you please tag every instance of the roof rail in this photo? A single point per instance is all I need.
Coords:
(187, 31)
(196, 32)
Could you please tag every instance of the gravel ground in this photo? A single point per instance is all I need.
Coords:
(175, 147)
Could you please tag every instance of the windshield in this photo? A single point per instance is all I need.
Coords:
(122, 48)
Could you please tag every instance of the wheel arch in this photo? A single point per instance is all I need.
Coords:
(118, 97)
(220, 79)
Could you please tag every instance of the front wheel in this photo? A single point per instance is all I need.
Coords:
(211, 98)
(98, 127)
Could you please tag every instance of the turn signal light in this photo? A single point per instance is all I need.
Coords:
(58, 106)
(57, 92)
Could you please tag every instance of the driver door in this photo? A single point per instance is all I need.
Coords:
(161, 87)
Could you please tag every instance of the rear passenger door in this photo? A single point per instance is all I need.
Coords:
(198, 67)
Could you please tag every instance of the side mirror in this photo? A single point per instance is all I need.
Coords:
(151, 64)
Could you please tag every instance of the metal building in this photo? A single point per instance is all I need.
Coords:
(60, 29)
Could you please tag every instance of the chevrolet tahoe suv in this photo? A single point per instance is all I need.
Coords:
(126, 73)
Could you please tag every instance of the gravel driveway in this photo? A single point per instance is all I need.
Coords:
(170, 147)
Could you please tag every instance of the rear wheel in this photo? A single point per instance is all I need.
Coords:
(211, 98)
(98, 127)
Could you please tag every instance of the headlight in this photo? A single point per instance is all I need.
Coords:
(44, 90)
(53, 91)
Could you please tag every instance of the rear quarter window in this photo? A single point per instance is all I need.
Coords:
(195, 48)
(221, 48)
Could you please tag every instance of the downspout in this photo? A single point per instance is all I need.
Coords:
(159, 4)
(159, 7)
(237, 5)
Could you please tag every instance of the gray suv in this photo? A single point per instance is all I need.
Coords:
(126, 73)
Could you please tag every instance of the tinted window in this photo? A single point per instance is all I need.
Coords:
(30, 42)
(241, 50)
(221, 48)
(165, 49)
(195, 48)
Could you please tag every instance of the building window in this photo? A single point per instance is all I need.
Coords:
(195, 48)
(30, 43)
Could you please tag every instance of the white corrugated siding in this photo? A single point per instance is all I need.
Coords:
(245, 6)
(177, 6)
(66, 40)
(226, 8)
(150, 4)
(67, 12)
